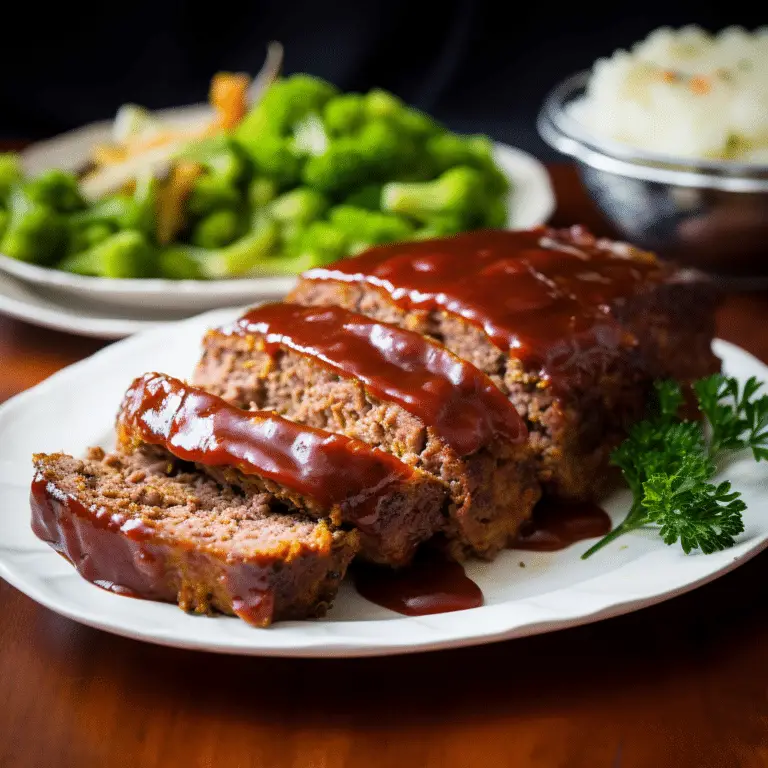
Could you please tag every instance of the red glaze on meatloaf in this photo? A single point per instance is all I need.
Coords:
(394, 389)
(394, 506)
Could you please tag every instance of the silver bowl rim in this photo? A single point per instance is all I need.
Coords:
(564, 133)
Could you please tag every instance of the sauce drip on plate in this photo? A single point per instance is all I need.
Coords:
(430, 584)
(556, 525)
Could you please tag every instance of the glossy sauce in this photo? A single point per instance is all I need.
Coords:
(196, 426)
(542, 294)
(556, 525)
(122, 555)
(430, 584)
(112, 551)
(450, 395)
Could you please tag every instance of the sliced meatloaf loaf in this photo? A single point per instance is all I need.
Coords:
(158, 530)
(325, 475)
(572, 329)
(393, 389)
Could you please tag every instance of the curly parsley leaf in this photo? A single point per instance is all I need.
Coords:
(738, 417)
(668, 464)
(687, 508)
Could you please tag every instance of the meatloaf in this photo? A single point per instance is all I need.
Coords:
(159, 530)
(572, 329)
(394, 389)
(325, 475)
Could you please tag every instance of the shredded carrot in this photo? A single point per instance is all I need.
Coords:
(700, 85)
(107, 154)
(668, 76)
(229, 97)
(172, 199)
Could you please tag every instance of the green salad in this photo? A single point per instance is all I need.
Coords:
(307, 176)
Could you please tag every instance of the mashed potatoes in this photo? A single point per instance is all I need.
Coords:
(685, 93)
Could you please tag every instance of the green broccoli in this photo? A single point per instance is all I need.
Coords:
(239, 259)
(298, 207)
(4, 217)
(275, 157)
(285, 103)
(364, 228)
(459, 192)
(136, 211)
(125, 254)
(211, 193)
(83, 237)
(220, 156)
(276, 133)
(309, 136)
(11, 173)
(317, 244)
(217, 229)
(440, 225)
(345, 114)
(34, 233)
(368, 197)
(55, 189)
(375, 153)
(261, 191)
(448, 150)
(381, 104)
(496, 213)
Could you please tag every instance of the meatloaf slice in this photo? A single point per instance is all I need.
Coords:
(325, 475)
(158, 530)
(393, 389)
(572, 329)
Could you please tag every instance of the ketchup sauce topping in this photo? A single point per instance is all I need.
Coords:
(430, 584)
(556, 525)
(450, 395)
(541, 294)
(196, 426)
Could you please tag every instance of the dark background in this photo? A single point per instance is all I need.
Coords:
(479, 66)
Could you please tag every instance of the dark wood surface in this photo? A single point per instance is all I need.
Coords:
(681, 684)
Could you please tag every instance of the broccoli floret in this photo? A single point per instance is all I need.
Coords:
(317, 244)
(123, 255)
(11, 173)
(364, 228)
(217, 229)
(345, 114)
(211, 193)
(496, 213)
(298, 207)
(55, 189)
(442, 225)
(4, 218)
(83, 237)
(309, 136)
(34, 233)
(137, 211)
(381, 104)
(261, 191)
(220, 156)
(375, 153)
(448, 150)
(235, 260)
(276, 157)
(459, 192)
(284, 104)
(368, 197)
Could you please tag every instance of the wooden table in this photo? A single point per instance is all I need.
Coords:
(681, 684)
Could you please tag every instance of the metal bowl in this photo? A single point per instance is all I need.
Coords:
(704, 213)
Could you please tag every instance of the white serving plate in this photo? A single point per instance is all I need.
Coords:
(531, 202)
(75, 408)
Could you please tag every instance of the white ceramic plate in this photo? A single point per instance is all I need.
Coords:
(75, 408)
(531, 202)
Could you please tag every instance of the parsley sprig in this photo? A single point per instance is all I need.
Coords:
(668, 464)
